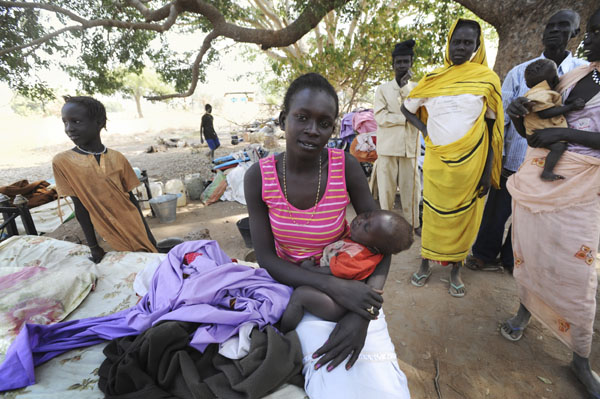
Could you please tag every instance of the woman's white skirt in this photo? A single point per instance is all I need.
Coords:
(375, 374)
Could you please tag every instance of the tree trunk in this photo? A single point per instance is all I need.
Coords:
(138, 105)
(520, 25)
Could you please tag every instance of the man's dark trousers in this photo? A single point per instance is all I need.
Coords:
(489, 239)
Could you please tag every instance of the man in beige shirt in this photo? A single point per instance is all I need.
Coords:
(397, 140)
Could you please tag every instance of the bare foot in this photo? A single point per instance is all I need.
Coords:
(585, 375)
(549, 176)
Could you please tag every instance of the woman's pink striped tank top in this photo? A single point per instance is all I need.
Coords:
(300, 234)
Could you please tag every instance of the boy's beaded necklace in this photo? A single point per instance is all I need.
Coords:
(286, 197)
(92, 153)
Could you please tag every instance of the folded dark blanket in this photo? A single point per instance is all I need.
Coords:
(160, 364)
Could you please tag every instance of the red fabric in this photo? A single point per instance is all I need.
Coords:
(189, 257)
(356, 266)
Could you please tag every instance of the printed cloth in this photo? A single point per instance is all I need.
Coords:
(103, 189)
(559, 287)
(303, 233)
(452, 210)
(350, 260)
(212, 290)
(40, 295)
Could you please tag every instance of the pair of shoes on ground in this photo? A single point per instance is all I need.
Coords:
(419, 280)
(474, 263)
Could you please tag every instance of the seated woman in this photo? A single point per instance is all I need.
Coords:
(459, 110)
(555, 224)
(297, 205)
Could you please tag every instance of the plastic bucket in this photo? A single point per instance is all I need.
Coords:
(165, 207)
(243, 226)
(164, 246)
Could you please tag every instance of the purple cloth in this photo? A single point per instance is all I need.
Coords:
(346, 129)
(218, 293)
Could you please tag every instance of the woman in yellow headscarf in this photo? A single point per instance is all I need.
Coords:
(459, 110)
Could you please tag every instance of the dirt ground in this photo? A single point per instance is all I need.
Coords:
(456, 340)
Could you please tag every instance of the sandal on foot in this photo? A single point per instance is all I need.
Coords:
(419, 280)
(507, 335)
(454, 290)
(477, 264)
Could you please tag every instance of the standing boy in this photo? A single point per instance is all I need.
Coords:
(99, 180)
(208, 131)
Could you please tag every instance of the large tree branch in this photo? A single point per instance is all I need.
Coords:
(287, 36)
(195, 70)
(84, 23)
(41, 40)
(156, 15)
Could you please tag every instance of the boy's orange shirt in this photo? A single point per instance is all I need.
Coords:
(103, 189)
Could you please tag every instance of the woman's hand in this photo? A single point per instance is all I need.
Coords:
(545, 137)
(346, 339)
(356, 296)
(484, 183)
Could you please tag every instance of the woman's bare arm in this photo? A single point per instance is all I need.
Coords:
(414, 120)
(353, 295)
(545, 137)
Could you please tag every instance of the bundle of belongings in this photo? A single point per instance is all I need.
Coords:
(37, 193)
(363, 146)
(203, 329)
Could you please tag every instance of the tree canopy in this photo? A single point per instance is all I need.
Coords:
(112, 34)
(352, 45)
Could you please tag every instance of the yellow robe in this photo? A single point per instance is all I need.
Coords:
(452, 210)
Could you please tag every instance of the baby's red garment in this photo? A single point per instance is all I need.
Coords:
(350, 260)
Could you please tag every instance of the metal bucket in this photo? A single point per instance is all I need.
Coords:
(243, 226)
(165, 207)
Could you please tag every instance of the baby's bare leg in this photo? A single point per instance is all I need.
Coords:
(556, 150)
(306, 298)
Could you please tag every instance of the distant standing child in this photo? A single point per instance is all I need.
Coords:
(372, 236)
(99, 181)
(208, 131)
(547, 110)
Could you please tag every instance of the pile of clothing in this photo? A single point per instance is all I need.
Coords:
(37, 193)
(360, 129)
